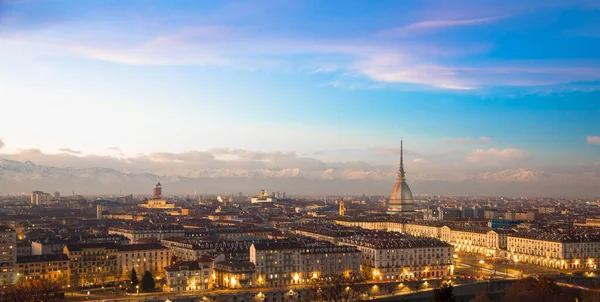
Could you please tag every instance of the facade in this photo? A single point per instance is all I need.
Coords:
(48, 246)
(40, 198)
(8, 255)
(234, 274)
(402, 257)
(277, 263)
(470, 239)
(263, 198)
(54, 267)
(574, 251)
(145, 233)
(92, 263)
(157, 191)
(23, 248)
(188, 276)
(187, 249)
(328, 260)
(342, 211)
(151, 257)
(157, 204)
(401, 200)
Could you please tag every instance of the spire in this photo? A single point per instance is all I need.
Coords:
(401, 173)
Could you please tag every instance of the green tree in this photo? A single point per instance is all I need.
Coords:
(134, 278)
(148, 283)
(444, 293)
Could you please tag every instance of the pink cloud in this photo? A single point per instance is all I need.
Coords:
(593, 140)
(496, 155)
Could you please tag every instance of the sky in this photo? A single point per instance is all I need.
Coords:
(500, 92)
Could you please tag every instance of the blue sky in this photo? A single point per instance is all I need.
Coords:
(515, 83)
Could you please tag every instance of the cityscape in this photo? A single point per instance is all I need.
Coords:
(307, 151)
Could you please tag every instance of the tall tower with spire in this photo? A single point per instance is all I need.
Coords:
(401, 200)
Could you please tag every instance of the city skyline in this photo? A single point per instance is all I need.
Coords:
(491, 99)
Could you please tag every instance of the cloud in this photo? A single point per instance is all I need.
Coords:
(468, 141)
(395, 68)
(436, 24)
(366, 62)
(593, 140)
(67, 150)
(495, 156)
(1, 143)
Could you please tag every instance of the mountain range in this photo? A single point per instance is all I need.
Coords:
(17, 176)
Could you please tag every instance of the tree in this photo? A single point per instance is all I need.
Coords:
(134, 278)
(444, 293)
(148, 283)
(482, 297)
(174, 259)
(33, 290)
(336, 289)
(535, 290)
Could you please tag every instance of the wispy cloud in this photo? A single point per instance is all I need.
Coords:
(437, 24)
(496, 156)
(70, 151)
(1, 143)
(468, 140)
(593, 140)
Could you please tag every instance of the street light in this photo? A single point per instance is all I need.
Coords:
(137, 287)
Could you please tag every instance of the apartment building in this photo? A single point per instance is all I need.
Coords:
(152, 257)
(52, 267)
(8, 255)
(93, 263)
(277, 263)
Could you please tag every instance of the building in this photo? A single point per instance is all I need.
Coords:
(93, 263)
(189, 275)
(401, 200)
(342, 208)
(23, 248)
(157, 202)
(157, 191)
(574, 249)
(100, 209)
(277, 262)
(48, 246)
(8, 255)
(152, 257)
(40, 198)
(393, 256)
(234, 274)
(263, 198)
(140, 232)
(520, 216)
(54, 267)
(324, 260)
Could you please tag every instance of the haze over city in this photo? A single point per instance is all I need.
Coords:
(308, 97)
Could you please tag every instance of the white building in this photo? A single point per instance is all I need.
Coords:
(393, 256)
(553, 249)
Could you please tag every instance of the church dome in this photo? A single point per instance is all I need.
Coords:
(401, 191)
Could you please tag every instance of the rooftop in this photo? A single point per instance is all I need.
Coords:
(42, 258)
